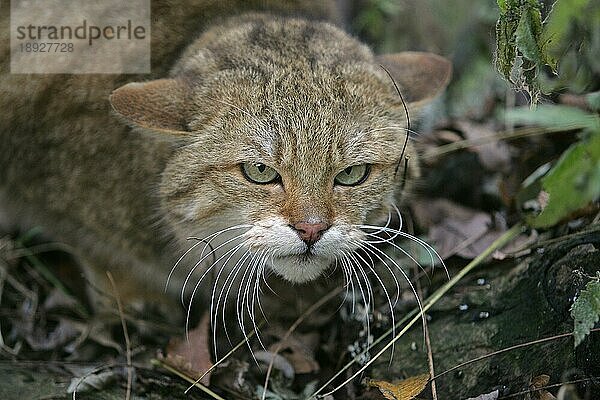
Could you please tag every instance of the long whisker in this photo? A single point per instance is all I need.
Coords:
(369, 302)
(365, 298)
(253, 268)
(395, 246)
(387, 224)
(200, 241)
(430, 250)
(371, 266)
(231, 252)
(232, 273)
(346, 277)
(257, 289)
(368, 287)
(226, 290)
(376, 250)
(347, 267)
(199, 262)
(380, 229)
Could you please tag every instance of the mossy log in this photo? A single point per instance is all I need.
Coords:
(502, 306)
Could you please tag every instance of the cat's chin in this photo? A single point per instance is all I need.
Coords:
(300, 268)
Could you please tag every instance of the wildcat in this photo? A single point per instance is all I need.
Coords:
(274, 140)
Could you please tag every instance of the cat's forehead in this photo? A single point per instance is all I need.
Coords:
(292, 93)
(309, 120)
(317, 130)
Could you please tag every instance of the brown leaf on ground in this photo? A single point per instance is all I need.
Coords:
(494, 155)
(488, 396)
(299, 351)
(404, 390)
(455, 229)
(536, 386)
(191, 355)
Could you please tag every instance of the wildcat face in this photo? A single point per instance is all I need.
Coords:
(289, 129)
(307, 140)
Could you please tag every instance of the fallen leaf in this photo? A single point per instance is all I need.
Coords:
(494, 155)
(456, 230)
(404, 390)
(488, 396)
(537, 386)
(92, 381)
(299, 351)
(191, 355)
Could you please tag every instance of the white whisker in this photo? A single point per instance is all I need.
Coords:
(412, 287)
(199, 262)
(200, 241)
(232, 273)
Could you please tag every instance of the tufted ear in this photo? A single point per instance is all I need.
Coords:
(420, 76)
(157, 105)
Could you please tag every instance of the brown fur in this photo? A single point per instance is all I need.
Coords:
(302, 97)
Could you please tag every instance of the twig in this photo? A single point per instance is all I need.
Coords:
(547, 387)
(504, 135)
(90, 373)
(293, 327)
(125, 333)
(187, 378)
(497, 244)
(517, 346)
(428, 346)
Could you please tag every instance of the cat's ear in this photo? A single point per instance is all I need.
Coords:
(157, 105)
(420, 76)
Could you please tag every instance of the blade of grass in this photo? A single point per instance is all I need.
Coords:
(188, 379)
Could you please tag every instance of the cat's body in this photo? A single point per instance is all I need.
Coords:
(253, 96)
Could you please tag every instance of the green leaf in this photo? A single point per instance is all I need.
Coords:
(572, 183)
(506, 49)
(521, 50)
(528, 34)
(556, 117)
(561, 18)
(502, 5)
(586, 310)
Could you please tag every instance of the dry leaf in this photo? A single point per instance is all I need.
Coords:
(404, 390)
(455, 229)
(279, 362)
(493, 155)
(299, 349)
(536, 386)
(191, 356)
(488, 396)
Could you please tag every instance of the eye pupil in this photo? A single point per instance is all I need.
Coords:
(261, 167)
(348, 170)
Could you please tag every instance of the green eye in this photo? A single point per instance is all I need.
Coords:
(259, 173)
(354, 175)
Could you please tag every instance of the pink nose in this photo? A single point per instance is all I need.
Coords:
(310, 233)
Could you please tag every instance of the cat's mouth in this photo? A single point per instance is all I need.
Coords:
(300, 268)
